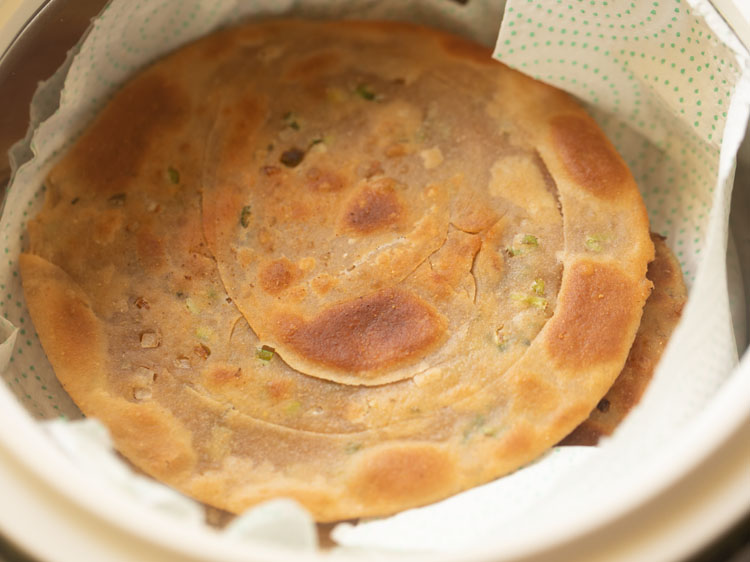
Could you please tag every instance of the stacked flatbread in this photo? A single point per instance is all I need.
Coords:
(660, 317)
(361, 265)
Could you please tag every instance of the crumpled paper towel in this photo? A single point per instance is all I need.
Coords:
(667, 80)
(88, 445)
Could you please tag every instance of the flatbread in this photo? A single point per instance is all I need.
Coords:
(661, 314)
(359, 264)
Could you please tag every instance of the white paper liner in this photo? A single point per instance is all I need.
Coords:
(668, 81)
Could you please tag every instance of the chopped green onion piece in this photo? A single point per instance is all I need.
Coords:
(352, 448)
(245, 216)
(364, 92)
(478, 421)
(538, 286)
(174, 175)
(529, 300)
(528, 241)
(594, 242)
(293, 407)
(204, 332)
(538, 302)
(265, 353)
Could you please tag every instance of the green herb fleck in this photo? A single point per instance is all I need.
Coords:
(315, 141)
(204, 333)
(530, 300)
(293, 407)
(292, 157)
(538, 286)
(594, 242)
(363, 91)
(74, 200)
(478, 421)
(352, 447)
(245, 216)
(174, 175)
(527, 242)
(265, 353)
(489, 431)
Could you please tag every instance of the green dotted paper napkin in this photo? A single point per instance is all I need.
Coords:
(649, 67)
(667, 80)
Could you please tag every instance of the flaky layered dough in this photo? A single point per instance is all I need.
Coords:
(357, 264)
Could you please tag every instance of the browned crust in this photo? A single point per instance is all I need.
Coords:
(371, 210)
(661, 315)
(370, 334)
(142, 113)
(277, 275)
(588, 156)
(596, 310)
(416, 474)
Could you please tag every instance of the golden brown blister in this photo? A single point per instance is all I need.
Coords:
(660, 317)
(365, 273)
